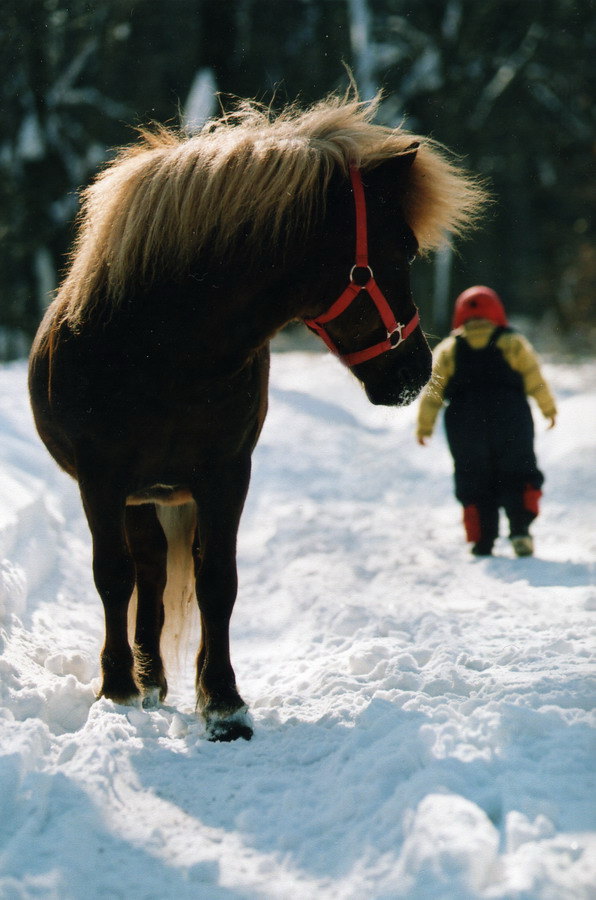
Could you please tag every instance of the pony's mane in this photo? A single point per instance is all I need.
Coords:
(251, 175)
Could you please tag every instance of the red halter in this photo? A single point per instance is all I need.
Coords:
(396, 331)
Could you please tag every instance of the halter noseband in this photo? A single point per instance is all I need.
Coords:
(396, 331)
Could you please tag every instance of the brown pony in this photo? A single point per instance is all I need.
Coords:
(148, 376)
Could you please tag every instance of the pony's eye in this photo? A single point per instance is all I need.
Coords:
(412, 257)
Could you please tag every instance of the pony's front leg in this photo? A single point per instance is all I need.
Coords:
(220, 499)
(114, 574)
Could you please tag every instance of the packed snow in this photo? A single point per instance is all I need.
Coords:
(423, 724)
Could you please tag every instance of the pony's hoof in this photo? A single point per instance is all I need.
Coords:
(221, 727)
(152, 698)
(134, 700)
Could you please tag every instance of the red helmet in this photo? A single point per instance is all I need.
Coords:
(479, 302)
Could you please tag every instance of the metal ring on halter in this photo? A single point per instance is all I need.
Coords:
(391, 336)
(370, 275)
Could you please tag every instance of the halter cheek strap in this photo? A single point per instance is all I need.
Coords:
(396, 331)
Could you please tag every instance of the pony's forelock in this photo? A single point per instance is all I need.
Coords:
(253, 175)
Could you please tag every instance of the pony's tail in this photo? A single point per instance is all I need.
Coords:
(182, 624)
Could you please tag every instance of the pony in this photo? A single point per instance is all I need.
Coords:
(148, 375)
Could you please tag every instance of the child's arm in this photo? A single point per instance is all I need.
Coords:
(432, 397)
(522, 357)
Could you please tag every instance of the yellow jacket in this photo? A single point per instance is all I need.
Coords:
(518, 353)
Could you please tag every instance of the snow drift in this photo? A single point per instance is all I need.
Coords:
(423, 719)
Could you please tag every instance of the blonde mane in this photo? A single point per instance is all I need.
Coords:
(250, 175)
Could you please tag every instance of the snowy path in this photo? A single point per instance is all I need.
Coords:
(423, 719)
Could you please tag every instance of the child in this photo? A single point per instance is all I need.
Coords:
(484, 370)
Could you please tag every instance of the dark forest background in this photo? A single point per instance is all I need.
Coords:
(507, 85)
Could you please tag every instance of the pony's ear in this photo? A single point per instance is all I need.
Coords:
(407, 158)
(395, 169)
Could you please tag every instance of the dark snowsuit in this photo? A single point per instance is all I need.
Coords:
(491, 437)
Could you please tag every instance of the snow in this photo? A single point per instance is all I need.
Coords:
(423, 723)
(30, 142)
(201, 101)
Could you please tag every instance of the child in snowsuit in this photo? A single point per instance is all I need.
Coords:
(484, 371)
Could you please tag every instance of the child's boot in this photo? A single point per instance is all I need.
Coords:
(523, 544)
(481, 522)
(483, 547)
(521, 507)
